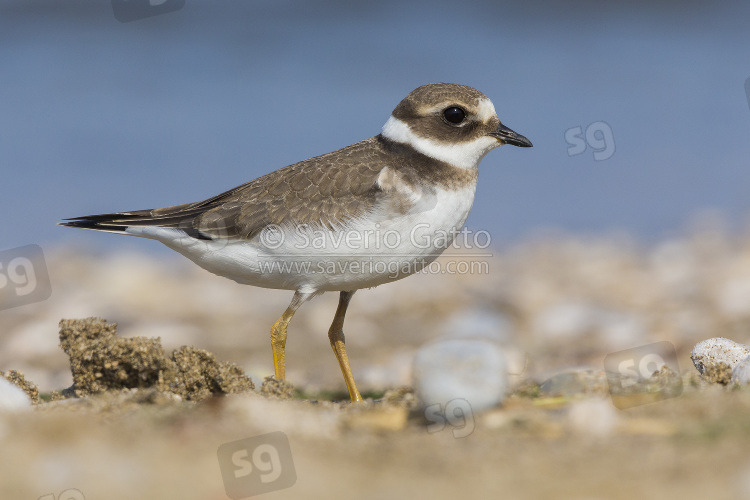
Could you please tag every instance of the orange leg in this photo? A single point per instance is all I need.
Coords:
(278, 333)
(336, 336)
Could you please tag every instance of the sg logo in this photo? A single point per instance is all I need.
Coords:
(457, 414)
(644, 374)
(598, 137)
(23, 277)
(256, 465)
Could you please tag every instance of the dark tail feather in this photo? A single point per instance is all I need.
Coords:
(119, 222)
(106, 222)
(91, 224)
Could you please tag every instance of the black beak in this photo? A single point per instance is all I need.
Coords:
(509, 137)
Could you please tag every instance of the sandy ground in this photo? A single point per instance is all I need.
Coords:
(565, 302)
(693, 446)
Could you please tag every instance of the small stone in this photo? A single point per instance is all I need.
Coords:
(470, 369)
(492, 326)
(741, 372)
(17, 378)
(12, 398)
(709, 354)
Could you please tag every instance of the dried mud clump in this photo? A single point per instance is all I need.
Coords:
(101, 361)
(200, 375)
(275, 388)
(16, 378)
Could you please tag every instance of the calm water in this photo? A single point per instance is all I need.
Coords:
(99, 116)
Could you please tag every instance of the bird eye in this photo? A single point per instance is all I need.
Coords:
(454, 115)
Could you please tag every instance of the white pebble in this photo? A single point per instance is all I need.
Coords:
(711, 352)
(12, 398)
(471, 369)
(741, 372)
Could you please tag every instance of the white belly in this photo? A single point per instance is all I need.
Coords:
(366, 253)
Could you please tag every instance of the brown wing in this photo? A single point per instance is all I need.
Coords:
(328, 190)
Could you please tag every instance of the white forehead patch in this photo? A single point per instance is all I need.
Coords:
(485, 110)
(459, 154)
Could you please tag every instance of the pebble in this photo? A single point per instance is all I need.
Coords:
(479, 323)
(475, 370)
(12, 398)
(709, 353)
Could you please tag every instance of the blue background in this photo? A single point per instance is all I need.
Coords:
(100, 116)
